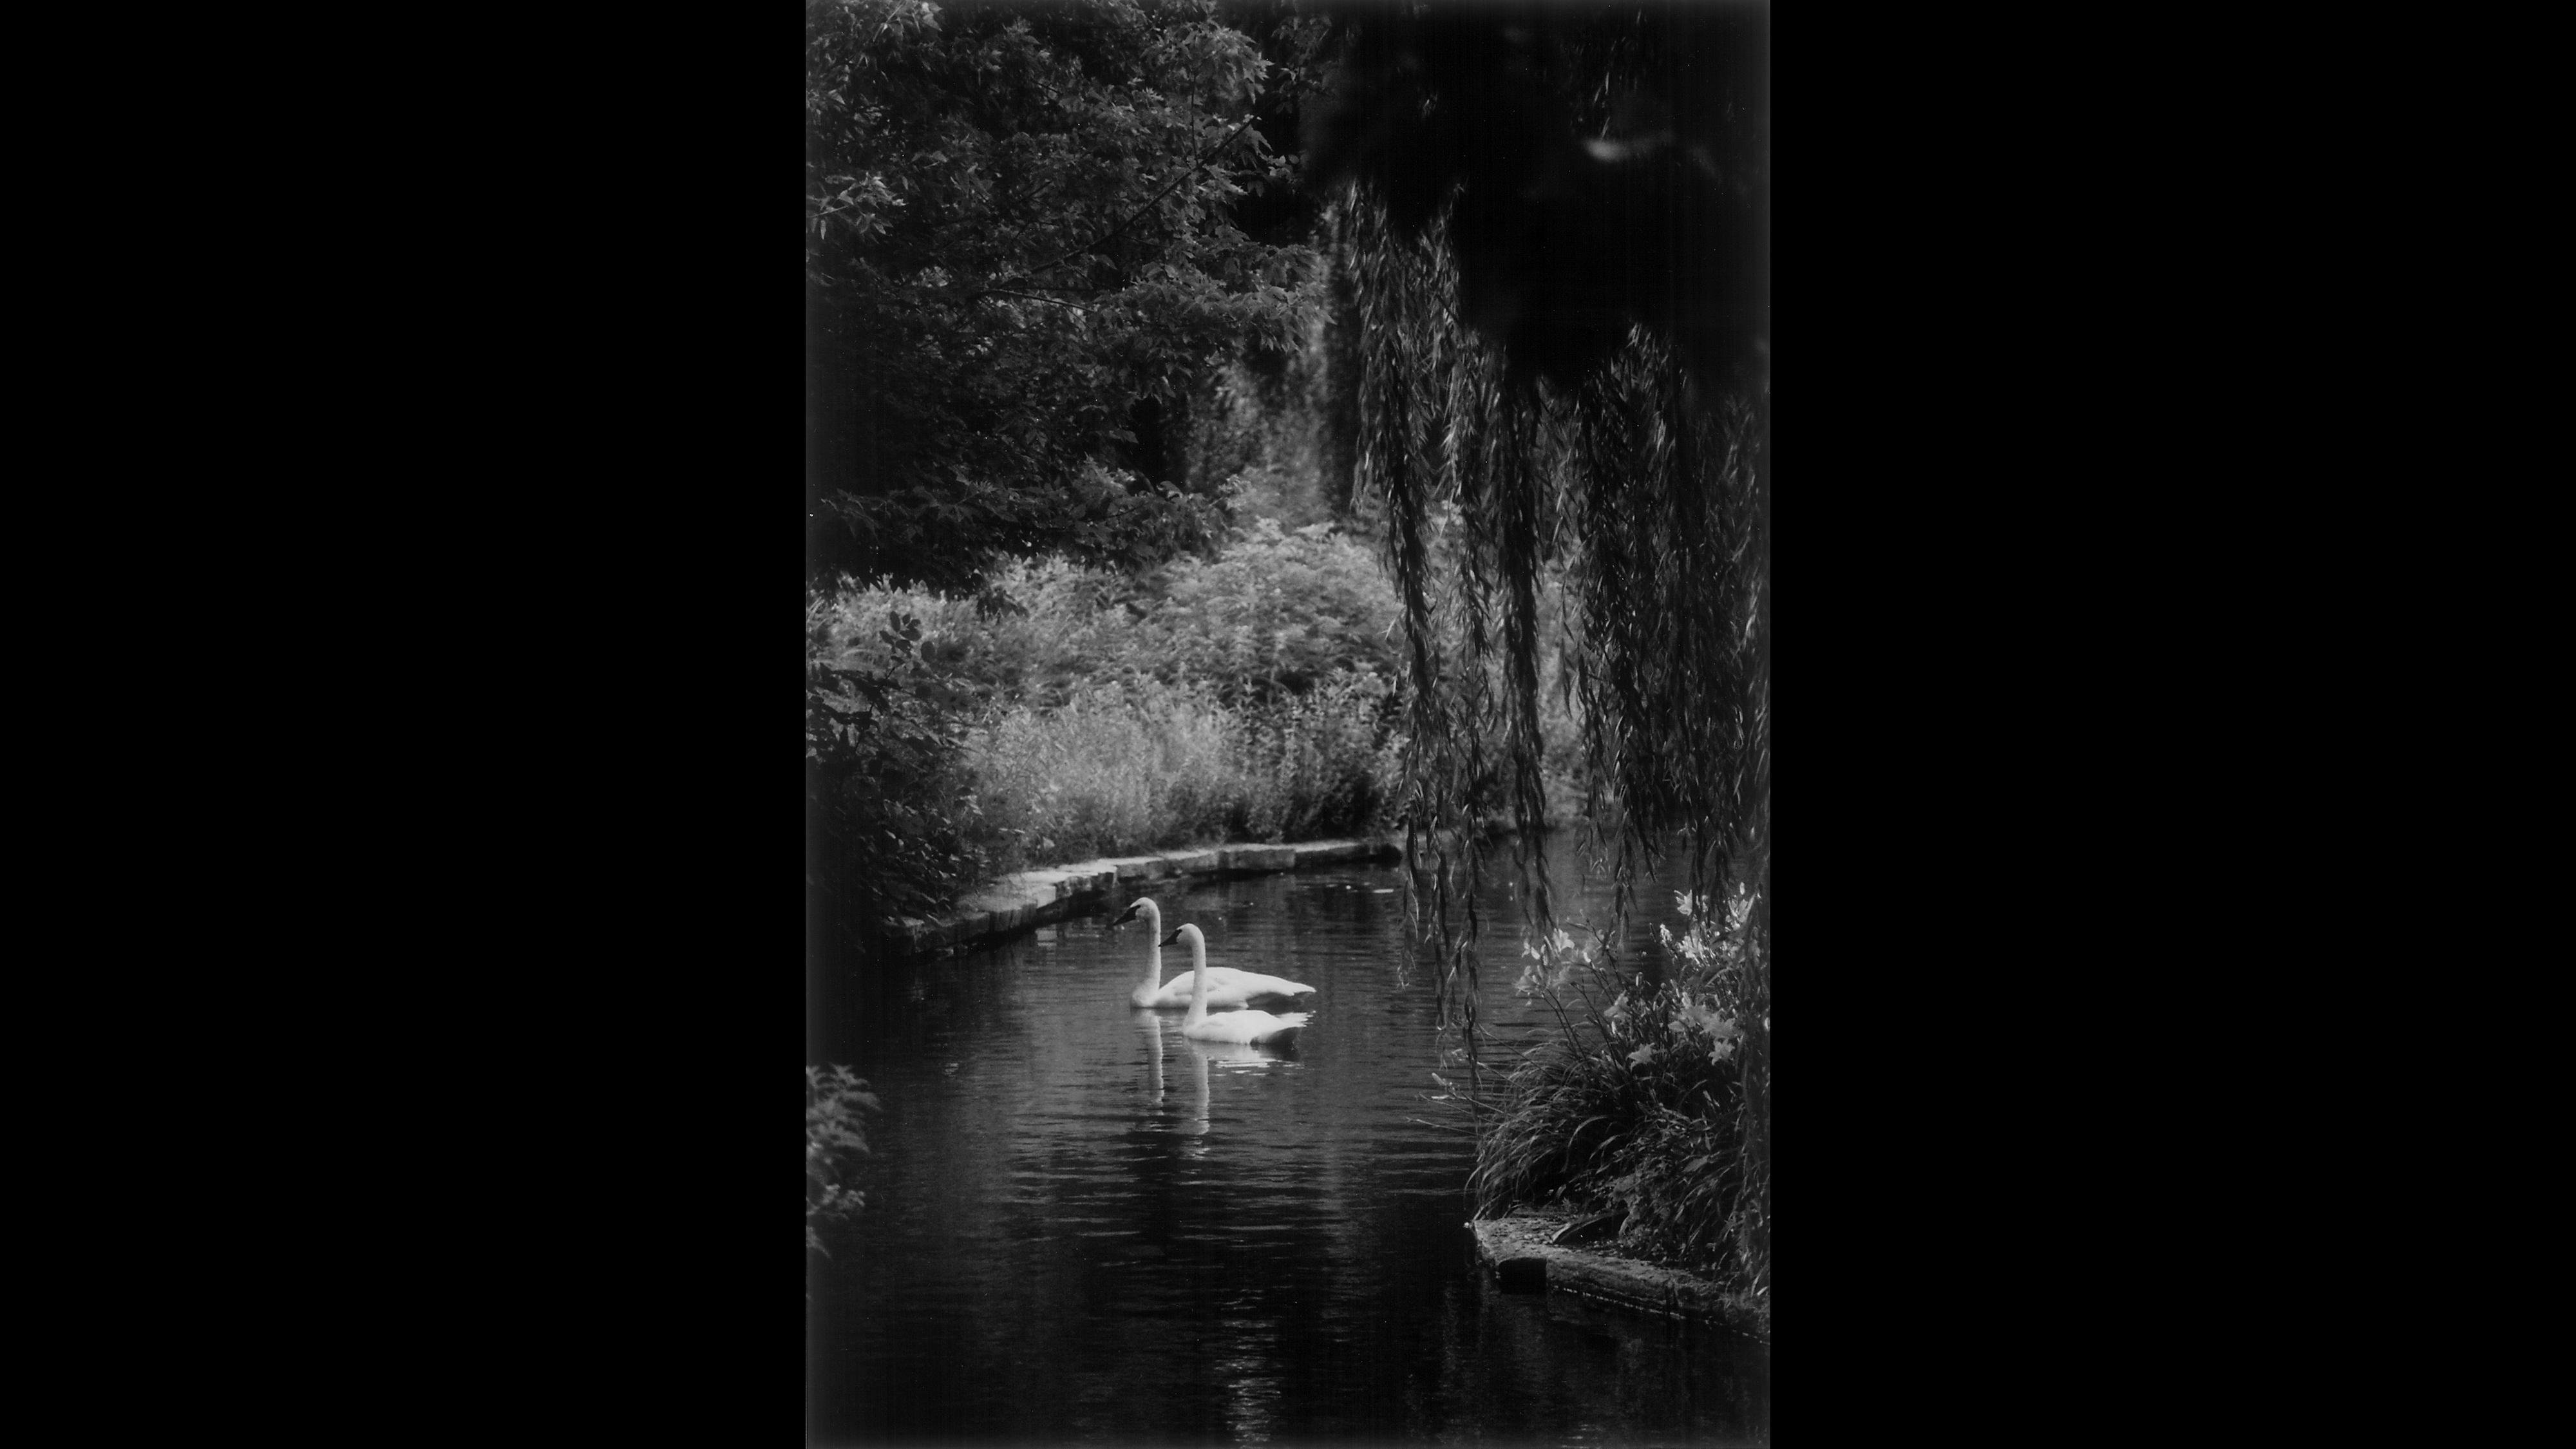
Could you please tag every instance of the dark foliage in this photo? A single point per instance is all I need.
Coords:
(1022, 255)
(1557, 216)
(1632, 1113)
(1597, 166)
(882, 770)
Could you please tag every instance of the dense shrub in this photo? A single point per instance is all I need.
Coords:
(1640, 1105)
(884, 775)
(1092, 712)
(1316, 764)
(1276, 612)
(1039, 632)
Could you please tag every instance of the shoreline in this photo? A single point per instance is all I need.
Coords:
(1027, 899)
(1516, 1246)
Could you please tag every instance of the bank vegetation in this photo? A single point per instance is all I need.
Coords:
(1263, 421)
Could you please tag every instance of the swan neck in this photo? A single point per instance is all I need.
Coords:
(1198, 977)
(1153, 945)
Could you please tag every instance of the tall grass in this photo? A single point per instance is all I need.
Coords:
(1319, 763)
(1141, 765)
(1110, 771)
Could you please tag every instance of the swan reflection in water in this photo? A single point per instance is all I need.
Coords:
(1224, 1057)
(1151, 1024)
(1203, 1056)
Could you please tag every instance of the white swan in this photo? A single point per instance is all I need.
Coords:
(1225, 985)
(1258, 1028)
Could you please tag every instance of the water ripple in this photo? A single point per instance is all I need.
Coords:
(1094, 1228)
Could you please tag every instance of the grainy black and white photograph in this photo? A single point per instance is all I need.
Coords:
(1287, 722)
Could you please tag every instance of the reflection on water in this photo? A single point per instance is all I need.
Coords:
(1224, 1057)
(1084, 1226)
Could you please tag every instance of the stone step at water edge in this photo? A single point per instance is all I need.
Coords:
(1525, 1260)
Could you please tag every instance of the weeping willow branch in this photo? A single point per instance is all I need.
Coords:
(1650, 491)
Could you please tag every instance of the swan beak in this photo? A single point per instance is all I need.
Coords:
(1124, 916)
(1167, 940)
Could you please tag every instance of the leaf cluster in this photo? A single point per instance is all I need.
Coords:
(883, 768)
(835, 1137)
(1277, 612)
(1637, 1104)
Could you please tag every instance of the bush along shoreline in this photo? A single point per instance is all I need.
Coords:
(1077, 713)
(1643, 1112)
(1043, 895)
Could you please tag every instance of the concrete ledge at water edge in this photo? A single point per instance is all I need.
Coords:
(1524, 1259)
(1036, 897)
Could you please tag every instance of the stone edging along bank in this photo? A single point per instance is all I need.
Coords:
(1036, 897)
(1518, 1248)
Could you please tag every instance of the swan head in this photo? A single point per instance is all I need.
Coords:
(1184, 932)
(1141, 906)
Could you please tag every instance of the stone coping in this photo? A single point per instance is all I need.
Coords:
(1033, 898)
(1522, 1257)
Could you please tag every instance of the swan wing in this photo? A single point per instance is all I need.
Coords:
(1260, 985)
(1226, 984)
(1226, 987)
(1176, 992)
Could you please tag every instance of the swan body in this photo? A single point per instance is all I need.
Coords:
(1225, 985)
(1248, 1027)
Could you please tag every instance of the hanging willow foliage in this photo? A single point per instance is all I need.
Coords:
(1648, 489)
(1554, 219)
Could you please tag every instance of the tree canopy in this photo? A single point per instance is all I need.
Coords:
(1023, 245)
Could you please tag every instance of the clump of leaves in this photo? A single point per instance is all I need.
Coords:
(1319, 763)
(883, 773)
(1639, 1104)
(1020, 241)
(1276, 613)
(835, 1137)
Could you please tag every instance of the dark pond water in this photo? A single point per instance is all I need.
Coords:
(1082, 1226)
